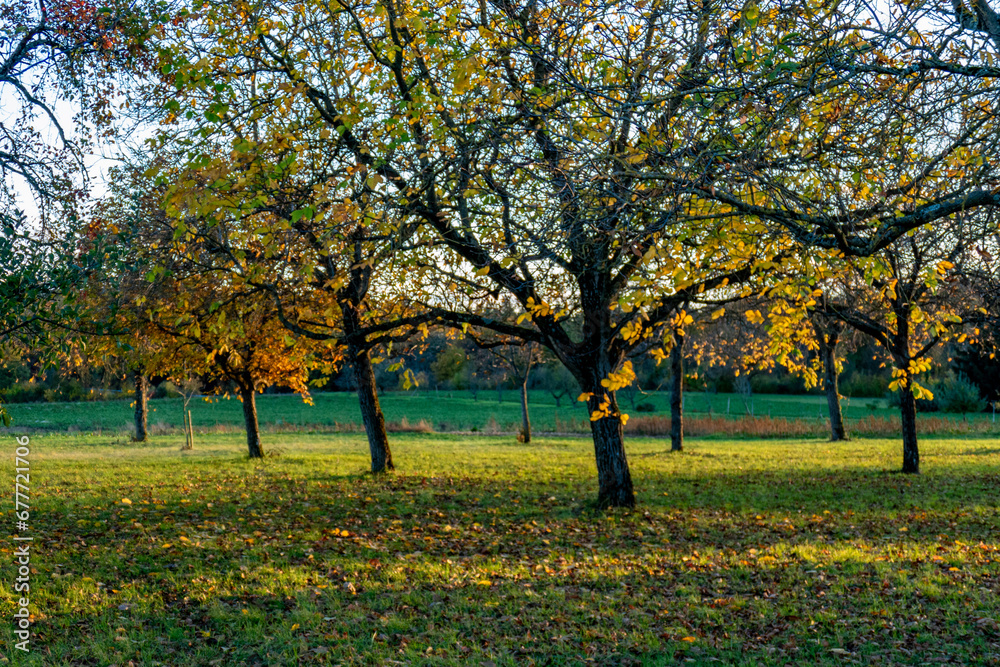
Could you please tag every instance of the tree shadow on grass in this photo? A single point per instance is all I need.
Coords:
(548, 609)
(980, 452)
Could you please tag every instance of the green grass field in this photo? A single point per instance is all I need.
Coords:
(444, 411)
(480, 551)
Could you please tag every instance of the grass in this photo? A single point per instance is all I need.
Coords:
(480, 551)
(444, 411)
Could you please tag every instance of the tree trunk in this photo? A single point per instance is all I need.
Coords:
(677, 395)
(907, 403)
(828, 349)
(525, 421)
(592, 361)
(249, 397)
(351, 301)
(908, 414)
(141, 407)
(613, 477)
(371, 411)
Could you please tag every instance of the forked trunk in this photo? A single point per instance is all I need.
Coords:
(908, 414)
(677, 395)
(613, 477)
(141, 407)
(525, 421)
(249, 397)
(371, 411)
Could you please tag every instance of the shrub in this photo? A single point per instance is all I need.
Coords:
(725, 385)
(777, 384)
(953, 394)
(958, 394)
(68, 390)
(645, 407)
(864, 385)
(27, 392)
(166, 389)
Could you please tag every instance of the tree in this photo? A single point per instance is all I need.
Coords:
(830, 110)
(240, 341)
(519, 359)
(828, 333)
(980, 360)
(909, 299)
(141, 407)
(193, 320)
(677, 392)
(554, 378)
(320, 250)
(560, 155)
(807, 341)
(52, 53)
(452, 367)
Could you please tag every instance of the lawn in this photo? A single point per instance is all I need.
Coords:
(480, 551)
(443, 411)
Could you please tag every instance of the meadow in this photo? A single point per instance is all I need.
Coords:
(442, 411)
(483, 551)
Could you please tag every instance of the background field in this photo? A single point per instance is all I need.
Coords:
(443, 411)
(481, 551)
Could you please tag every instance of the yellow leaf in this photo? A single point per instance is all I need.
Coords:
(585, 396)
(484, 582)
(126, 501)
(688, 639)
